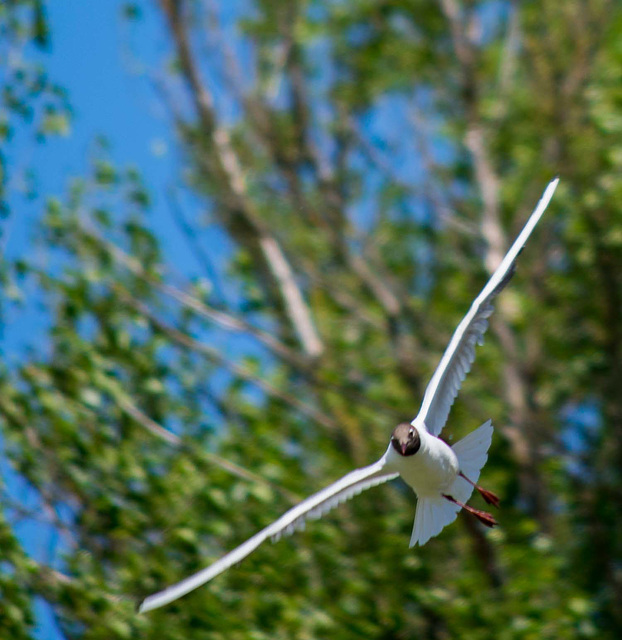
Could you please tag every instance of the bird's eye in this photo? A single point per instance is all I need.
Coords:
(411, 431)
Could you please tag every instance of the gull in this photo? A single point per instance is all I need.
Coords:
(442, 476)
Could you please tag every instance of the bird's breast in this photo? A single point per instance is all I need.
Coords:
(430, 471)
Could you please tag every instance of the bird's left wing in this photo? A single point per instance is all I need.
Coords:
(313, 507)
(460, 353)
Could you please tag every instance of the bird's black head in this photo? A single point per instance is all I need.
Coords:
(405, 439)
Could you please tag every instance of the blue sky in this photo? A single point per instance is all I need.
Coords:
(108, 99)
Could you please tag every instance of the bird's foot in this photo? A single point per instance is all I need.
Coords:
(488, 496)
(483, 516)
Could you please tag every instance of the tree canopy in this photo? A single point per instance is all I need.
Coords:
(349, 173)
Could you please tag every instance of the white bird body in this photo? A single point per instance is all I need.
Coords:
(432, 471)
(442, 476)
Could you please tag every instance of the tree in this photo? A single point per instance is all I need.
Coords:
(368, 164)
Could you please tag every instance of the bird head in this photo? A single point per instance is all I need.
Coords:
(405, 439)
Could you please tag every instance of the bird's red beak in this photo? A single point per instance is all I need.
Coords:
(403, 448)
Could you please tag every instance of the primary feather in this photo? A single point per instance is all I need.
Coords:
(460, 353)
(314, 506)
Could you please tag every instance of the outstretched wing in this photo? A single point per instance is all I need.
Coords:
(459, 355)
(313, 507)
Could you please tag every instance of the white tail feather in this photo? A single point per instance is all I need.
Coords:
(433, 514)
(472, 453)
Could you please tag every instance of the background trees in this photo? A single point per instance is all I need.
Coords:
(348, 174)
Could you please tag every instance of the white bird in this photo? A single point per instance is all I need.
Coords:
(442, 476)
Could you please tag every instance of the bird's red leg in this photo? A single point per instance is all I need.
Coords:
(483, 516)
(489, 496)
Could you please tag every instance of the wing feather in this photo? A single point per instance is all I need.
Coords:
(313, 507)
(460, 353)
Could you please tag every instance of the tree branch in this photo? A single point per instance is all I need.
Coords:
(250, 228)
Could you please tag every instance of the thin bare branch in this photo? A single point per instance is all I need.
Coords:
(52, 519)
(190, 236)
(160, 432)
(441, 207)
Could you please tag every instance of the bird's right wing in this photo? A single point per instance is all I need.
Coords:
(460, 353)
(313, 507)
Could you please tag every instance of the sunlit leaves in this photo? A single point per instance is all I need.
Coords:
(151, 456)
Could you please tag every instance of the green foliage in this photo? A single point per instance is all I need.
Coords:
(30, 102)
(160, 423)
